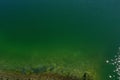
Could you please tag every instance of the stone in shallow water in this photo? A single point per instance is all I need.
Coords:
(39, 70)
(86, 76)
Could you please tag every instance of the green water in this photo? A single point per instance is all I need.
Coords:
(75, 34)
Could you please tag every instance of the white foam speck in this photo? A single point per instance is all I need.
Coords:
(116, 63)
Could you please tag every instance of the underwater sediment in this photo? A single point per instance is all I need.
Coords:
(47, 76)
(41, 74)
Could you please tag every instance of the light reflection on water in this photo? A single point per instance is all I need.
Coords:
(115, 62)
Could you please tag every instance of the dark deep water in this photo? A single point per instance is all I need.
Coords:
(72, 33)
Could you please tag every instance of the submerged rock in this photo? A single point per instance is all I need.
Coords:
(39, 70)
(86, 76)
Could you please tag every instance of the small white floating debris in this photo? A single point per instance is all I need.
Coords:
(116, 64)
(107, 61)
(110, 76)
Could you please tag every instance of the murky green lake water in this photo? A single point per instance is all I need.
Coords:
(75, 34)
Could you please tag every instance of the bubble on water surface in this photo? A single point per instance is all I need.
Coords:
(115, 62)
